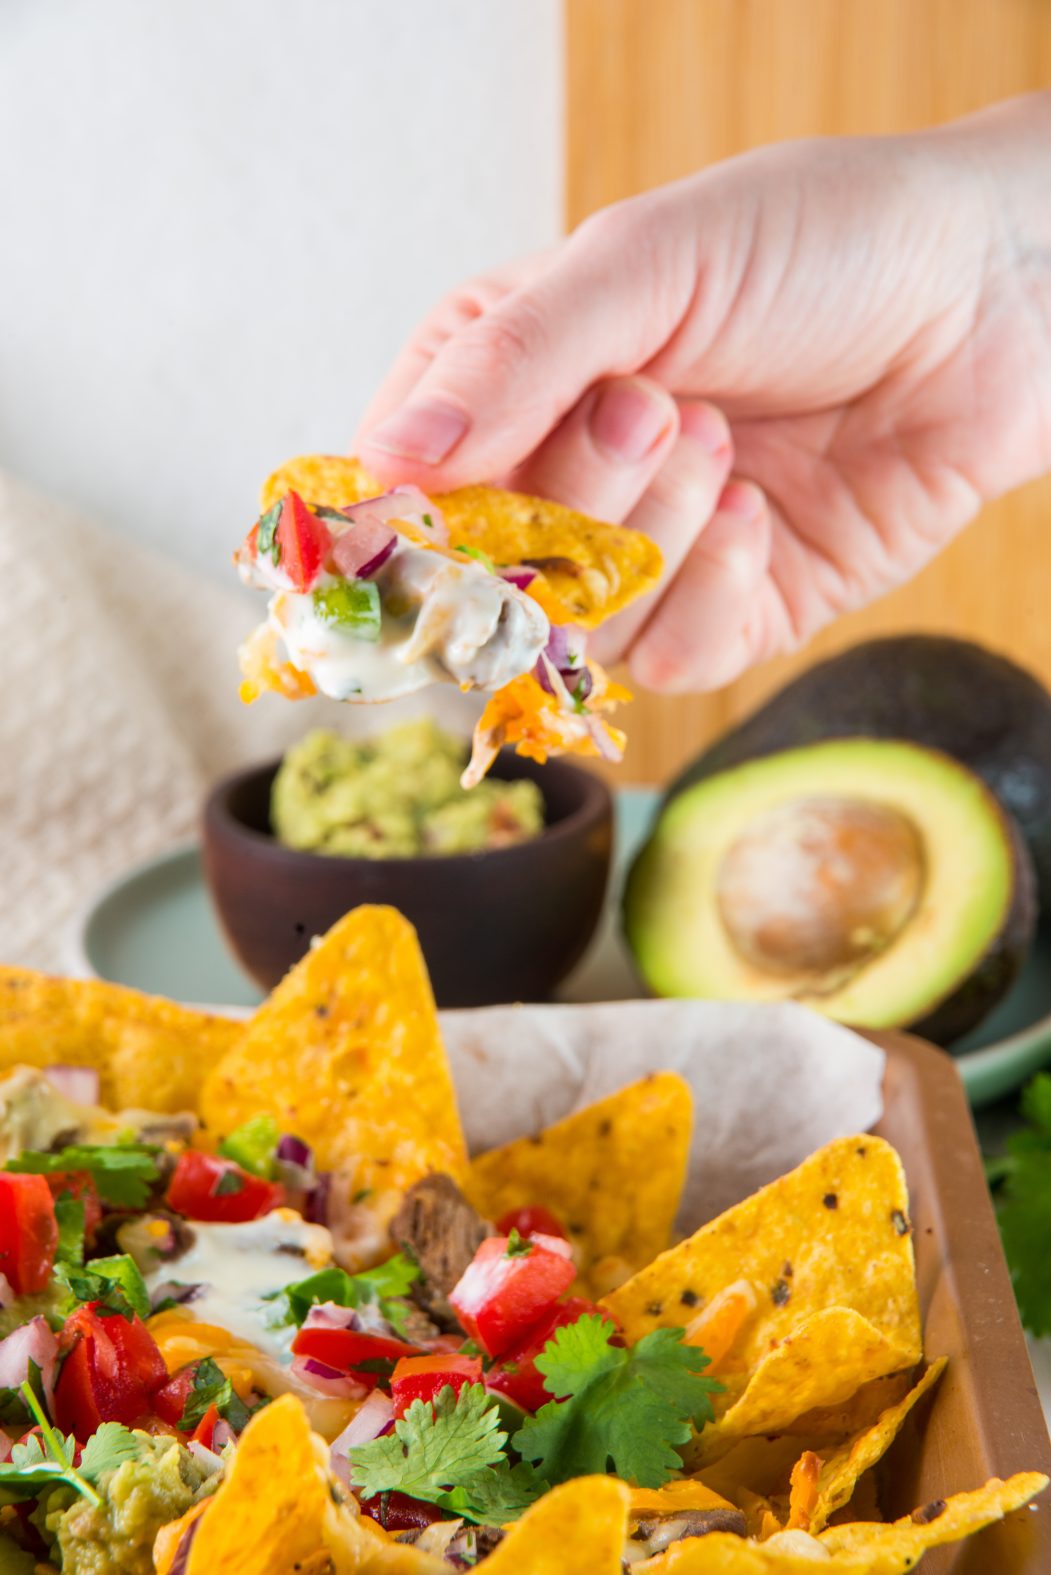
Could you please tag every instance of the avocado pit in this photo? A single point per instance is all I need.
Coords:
(817, 886)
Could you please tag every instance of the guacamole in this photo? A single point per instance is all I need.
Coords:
(138, 1499)
(396, 796)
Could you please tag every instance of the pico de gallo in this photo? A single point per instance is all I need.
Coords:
(370, 602)
(155, 1295)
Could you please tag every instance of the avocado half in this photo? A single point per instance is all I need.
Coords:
(944, 693)
(877, 881)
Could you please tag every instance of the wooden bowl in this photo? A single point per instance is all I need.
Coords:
(504, 925)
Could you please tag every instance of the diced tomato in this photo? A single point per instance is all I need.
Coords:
(531, 1220)
(205, 1187)
(507, 1289)
(399, 1512)
(516, 1374)
(424, 1377)
(346, 1349)
(303, 542)
(111, 1371)
(79, 1185)
(170, 1400)
(204, 1432)
(28, 1232)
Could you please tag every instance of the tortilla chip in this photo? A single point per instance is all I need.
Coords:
(150, 1054)
(822, 1362)
(278, 1508)
(832, 1234)
(861, 1548)
(890, 1550)
(581, 1525)
(840, 1470)
(613, 1173)
(591, 570)
(347, 1054)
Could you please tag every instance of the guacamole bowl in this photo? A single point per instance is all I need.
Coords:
(503, 924)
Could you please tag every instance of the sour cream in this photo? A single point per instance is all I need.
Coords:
(442, 620)
(237, 1267)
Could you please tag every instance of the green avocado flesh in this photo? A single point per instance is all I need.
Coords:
(878, 882)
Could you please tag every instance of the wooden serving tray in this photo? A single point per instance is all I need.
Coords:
(984, 1418)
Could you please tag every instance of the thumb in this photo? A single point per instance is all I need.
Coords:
(496, 388)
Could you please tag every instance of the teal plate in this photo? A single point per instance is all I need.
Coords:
(155, 930)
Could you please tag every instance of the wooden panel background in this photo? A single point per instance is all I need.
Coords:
(658, 88)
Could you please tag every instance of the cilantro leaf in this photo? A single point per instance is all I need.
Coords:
(253, 1146)
(435, 1448)
(115, 1283)
(500, 1493)
(1021, 1179)
(380, 1287)
(122, 1174)
(69, 1214)
(212, 1387)
(107, 1448)
(266, 541)
(622, 1410)
(46, 1461)
(228, 1185)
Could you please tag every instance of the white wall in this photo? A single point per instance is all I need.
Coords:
(218, 218)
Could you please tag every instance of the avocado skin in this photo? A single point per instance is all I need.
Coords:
(986, 985)
(948, 694)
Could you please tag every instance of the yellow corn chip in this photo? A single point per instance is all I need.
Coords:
(591, 569)
(890, 1550)
(150, 1054)
(347, 1054)
(832, 1234)
(613, 1173)
(580, 1526)
(863, 1548)
(822, 1362)
(840, 1470)
(278, 1508)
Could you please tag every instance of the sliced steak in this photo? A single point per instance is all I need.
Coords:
(658, 1532)
(441, 1232)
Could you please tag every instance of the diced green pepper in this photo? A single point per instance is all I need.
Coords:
(253, 1145)
(352, 605)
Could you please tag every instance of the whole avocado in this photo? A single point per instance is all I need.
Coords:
(948, 694)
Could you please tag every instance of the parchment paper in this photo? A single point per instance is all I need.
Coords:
(770, 1083)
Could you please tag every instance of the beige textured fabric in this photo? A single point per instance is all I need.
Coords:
(118, 706)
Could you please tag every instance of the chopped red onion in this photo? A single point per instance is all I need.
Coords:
(207, 1459)
(406, 503)
(520, 578)
(359, 552)
(174, 1291)
(295, 1150)
(31, 1342)
(181, 1562)
(330, 1315)
(5, 1447)
(375, 1419)
(565, 647)
(326, 1380)
(7, 1295)
(78, 1083)
(317, 1205)
(607, 749)
(222, 1434)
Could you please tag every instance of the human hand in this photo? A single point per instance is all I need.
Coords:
(872, 315)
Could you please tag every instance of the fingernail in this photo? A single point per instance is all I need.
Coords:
(742, 498)
(629, 419)
(706, 426)
(426, 432)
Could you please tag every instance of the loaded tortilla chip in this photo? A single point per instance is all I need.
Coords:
(373, 596)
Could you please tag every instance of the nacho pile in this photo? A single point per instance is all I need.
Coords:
(290, 1326)
(377, 595)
